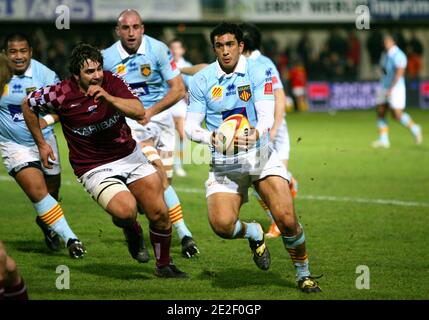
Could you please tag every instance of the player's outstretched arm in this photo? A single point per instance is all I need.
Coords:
(176, 92)
(32, 122)
(190, 71)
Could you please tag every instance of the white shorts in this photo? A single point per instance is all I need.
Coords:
(162, 134)
(131, 168)
(16, 156)
(396, 100)
(179, 109)
(298, 91)
(240, 183)
(281, 142)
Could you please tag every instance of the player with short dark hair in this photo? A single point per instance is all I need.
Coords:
(236, 86)
(92, 105)
(19, 151)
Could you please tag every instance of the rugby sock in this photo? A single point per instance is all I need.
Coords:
(248, 230)
(178, 158)
(263, 205)
(51, 213)
(409, 123)
(295, 245)
(383, 131)
(161, 240)
(16, 292)
(175, 212)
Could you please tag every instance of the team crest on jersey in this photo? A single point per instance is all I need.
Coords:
(244, 93)
(145, 70)
(121, 69)
(217, 92)
(28, 90)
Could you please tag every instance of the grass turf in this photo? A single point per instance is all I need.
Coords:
(330, 156)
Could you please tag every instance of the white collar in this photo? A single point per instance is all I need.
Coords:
(255, 55)
(29, 72)
(124, 54)
(239, 68)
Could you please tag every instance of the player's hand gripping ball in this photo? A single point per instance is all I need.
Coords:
(231, 127)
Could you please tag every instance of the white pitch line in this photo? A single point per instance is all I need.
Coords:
(300, 197)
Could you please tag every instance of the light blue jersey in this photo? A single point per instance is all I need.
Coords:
(146, 71)
(271, 68)
(389, 62)
(218, 95)
(12, 124)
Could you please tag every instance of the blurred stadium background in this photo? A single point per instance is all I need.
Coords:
(361, 206)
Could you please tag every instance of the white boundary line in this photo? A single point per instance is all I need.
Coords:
(300, 197)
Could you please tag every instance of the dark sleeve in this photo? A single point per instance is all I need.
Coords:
(119, 88)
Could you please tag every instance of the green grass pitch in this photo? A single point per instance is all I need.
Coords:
(359, 206)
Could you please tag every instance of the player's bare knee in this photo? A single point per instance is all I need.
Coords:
(287, 223)
(223, 229)
(124, 211)
(159, 218)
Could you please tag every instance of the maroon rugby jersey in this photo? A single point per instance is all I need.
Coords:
(96, 133)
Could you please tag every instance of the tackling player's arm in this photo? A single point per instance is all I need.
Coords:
(131, 108)
(175, 93)
(32, 121)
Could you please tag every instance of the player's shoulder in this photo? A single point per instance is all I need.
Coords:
(110, 76)
(110, 55)
(39, 68)
(253, 64)
(401, 54)
(110, 50)
(155, 44)
(267, 61)
(256, 67)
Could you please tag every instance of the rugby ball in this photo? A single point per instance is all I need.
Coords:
(232, 126)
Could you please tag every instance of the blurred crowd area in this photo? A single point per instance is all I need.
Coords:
(337, 55)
